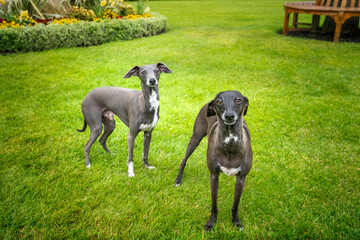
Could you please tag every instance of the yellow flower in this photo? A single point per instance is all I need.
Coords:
(2, 1)
(24, 13)
(136, 16)
(65, 20)
(112, 4)
(103, 3)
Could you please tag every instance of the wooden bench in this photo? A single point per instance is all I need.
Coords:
(339, 10)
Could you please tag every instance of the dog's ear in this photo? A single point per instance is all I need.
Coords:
(163, 68)
(246, 104)
(133, 72)
(210, 109)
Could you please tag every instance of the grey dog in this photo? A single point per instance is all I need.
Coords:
(229, 148)
(139, 110)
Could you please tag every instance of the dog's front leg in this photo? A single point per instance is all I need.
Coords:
(214, 184)
(131, 139)
(239, 187)
(147, 139)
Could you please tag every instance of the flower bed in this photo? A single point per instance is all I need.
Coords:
(42, 37)
(93, 23)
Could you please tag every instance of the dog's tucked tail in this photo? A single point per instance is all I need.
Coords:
(84, 127)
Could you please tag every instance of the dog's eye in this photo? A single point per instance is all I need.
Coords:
(143, 72)
(238, 101)
(156, 71)
(218, 102)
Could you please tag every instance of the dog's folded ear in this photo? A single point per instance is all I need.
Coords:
(133, 72)
(246, 105)
(163, 68)
(210, 109)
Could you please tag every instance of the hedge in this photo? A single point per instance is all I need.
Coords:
(41, 37)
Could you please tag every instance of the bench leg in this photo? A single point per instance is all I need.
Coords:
(337, 32)
(286, 22)
(295, 20)
(339, 20)
(315, 23)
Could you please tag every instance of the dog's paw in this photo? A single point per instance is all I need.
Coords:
(242, 228)
(178, 183)
(237, 223)
(209, 225)
(88, 166)
(208, 228)
(131, 174)
(149, 167)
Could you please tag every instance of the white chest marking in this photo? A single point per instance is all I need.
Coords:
(230, 171)
(154, 104)
(231, 137)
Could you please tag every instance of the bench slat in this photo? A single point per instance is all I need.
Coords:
(343, 3)
(352, 4)
(336, 2)
(328, 3)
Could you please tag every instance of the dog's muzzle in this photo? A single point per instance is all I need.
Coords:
(152, 82)
(229, 118)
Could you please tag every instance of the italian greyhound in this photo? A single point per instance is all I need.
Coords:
(229, 148)
(139, 110)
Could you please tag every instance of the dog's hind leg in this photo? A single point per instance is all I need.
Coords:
(109, 126)
(199, 131)
(95, 133)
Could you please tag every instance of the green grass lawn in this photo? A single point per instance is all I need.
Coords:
(304, 117)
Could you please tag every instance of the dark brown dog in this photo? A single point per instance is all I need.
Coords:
(229, 148)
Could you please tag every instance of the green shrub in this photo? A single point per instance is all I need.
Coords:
(81, 34)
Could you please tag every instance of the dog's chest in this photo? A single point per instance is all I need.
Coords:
(231, 138)
(230, 171)
(154, 106)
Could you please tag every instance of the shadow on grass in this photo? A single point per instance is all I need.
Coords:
(355, 37)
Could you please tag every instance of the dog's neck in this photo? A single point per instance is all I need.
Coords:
(231, 136)
(151, 96)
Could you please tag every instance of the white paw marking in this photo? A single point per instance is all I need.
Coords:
(229, 171)
(131, 169)
(150, 167)
(88, 166)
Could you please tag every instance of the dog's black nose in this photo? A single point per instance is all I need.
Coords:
(229, 116)
(152, 81)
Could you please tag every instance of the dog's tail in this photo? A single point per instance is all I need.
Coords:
(84, 127)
